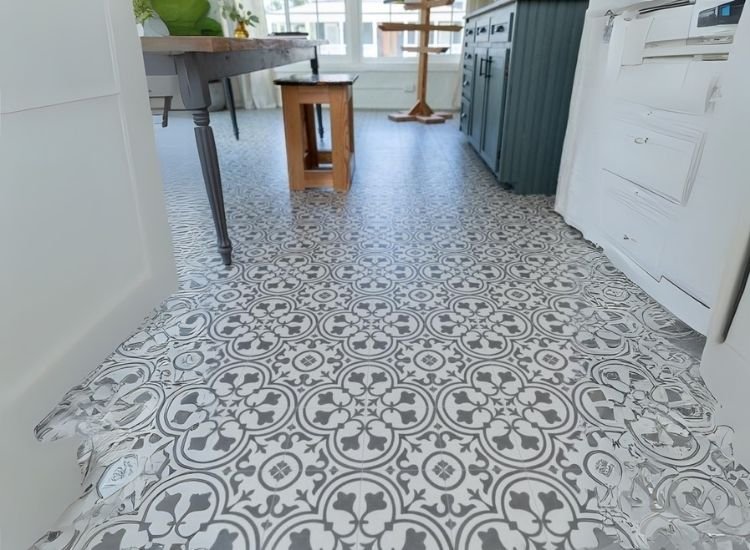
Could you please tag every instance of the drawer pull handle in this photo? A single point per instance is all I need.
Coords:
(640, 140)
(463, 115)
(627, 237)
(466, 83)
(498, 28)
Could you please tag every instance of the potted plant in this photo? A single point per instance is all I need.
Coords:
(241, 17)
(187, 17)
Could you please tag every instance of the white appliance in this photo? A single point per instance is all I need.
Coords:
(715, 20)
(633, 177)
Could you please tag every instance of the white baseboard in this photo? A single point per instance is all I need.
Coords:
(682, 305)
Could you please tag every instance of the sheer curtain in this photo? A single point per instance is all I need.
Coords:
(255, 90)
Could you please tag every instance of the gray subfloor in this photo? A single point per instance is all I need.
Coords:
(427, 362)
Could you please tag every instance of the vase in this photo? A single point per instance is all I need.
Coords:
(153, 26)
(240, 30)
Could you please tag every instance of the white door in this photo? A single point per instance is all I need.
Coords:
(85, 248)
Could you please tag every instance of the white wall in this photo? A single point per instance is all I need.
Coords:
(86, 251)
(384, 89)
(393, 86)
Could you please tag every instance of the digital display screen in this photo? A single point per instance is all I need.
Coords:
(725, 14)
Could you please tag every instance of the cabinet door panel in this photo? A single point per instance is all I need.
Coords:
(478, 99)
(496, 84)
(58, 62)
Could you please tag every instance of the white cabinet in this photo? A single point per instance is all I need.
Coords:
(634, 221)
(652, 158)
(641, 174)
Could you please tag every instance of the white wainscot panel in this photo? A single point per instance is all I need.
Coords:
(38, 71)
(69, 196)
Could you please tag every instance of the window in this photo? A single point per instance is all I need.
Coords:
(368, 34)
(331, 20)
(321, 19)
(390, 44)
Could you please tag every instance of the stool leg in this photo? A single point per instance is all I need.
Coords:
(351, 122)
(311, 140)
(295, 137)
(340, 138)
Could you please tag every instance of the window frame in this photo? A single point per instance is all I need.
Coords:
(354, 59)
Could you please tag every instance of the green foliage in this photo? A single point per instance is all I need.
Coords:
(187, 17)
(238, 14)
(142, 10)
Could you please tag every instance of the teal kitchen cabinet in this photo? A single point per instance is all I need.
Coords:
(518, 66)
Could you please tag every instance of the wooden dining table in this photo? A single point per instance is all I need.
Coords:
(196, 61)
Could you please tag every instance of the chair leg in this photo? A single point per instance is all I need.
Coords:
(229, 94)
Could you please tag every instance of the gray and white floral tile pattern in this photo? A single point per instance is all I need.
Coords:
(427, 362)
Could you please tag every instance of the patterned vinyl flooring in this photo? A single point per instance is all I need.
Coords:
(425, 363)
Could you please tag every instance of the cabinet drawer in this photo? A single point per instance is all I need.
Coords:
(483, 30)
(635, 222)
(464, 117)
(468, 61)
(662, 163)
(466, 83)
(499, 29)
(470, 31)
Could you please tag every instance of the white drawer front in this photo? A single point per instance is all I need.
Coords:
(634, 224)
(654, 160)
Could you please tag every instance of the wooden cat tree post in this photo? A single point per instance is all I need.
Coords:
(421, 110)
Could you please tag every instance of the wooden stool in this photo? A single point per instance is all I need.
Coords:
(306, 163)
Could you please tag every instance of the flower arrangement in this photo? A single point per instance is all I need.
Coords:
(238, 14)
(143, 11)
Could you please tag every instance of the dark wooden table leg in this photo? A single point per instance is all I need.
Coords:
(165, 112)
(315, 67)
(229, 93)
(204, 137)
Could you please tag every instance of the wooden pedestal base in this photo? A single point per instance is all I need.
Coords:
(421, 112)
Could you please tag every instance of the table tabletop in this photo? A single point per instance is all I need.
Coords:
(216, 44)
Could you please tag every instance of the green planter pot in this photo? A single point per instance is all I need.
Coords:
(187, 17)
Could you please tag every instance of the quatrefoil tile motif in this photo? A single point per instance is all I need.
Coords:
(426, 362)
(260, 330)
